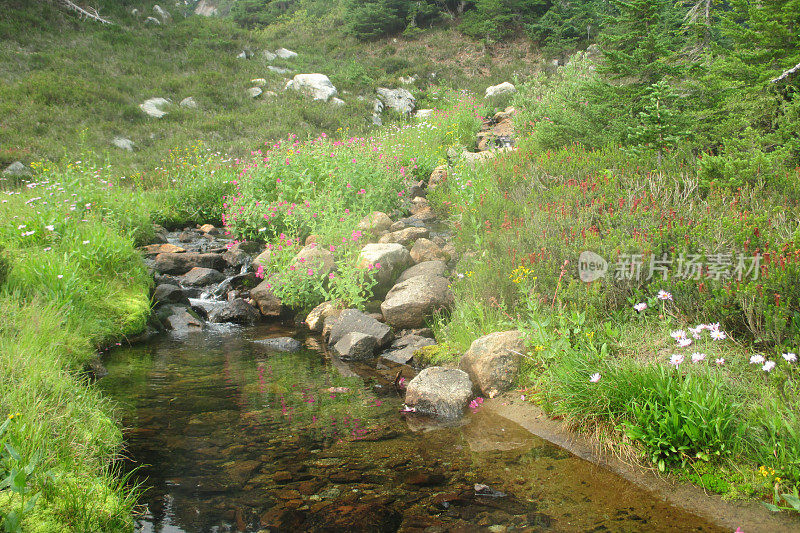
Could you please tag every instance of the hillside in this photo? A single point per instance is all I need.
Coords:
(72, 85)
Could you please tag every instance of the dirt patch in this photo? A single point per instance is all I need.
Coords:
(751, 517)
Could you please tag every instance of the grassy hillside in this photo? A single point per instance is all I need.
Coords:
(72, 85)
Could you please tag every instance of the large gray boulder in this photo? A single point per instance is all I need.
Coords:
(493, 360)
(123, 143)
(315, 257)
(432, 268)
(353, 320)
(393, 258)
(412, 301)
(318, 86)
(440, 392)
(399, 100)
(269, 304)
(182, 321)
(169, 293)
(403, 349)
(500, 89)
(181, 263)
(153, 107)
(162, 14)
(206, 8)
(356, 346)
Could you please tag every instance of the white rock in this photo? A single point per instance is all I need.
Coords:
(279, 70)
(424, 114)
(318, 86)
(269, 56)
(189, 103)
(254, 92)
(152, 20)
(500, 89)
(123, 144)
(17, 170)
(338, 102)
(258, 82)
(152, 107)
(408, 80)
(283, 53)
(242, 55)
(400, 100)
(206, 8)
(162, 13)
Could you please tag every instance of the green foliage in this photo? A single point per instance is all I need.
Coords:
(375, 18)
(661, 126)
(567, 25)
(681, 418)
(16, 475)
(495, 20)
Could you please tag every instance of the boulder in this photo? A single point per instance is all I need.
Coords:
(281, 344)
(162, 14)
(412, 301)
(269, 56)
(403, 349)
(405, 236)
(269, 304)
(17, 170)
(181, 320)
(210, 229)
(392, 257)
(353, 320)
(337, 102)
(152, 107)
(258, 82)
(189, 103)
(206, 8)
(431, 268)
(441, 392)
(375, 222)
(317, 258)
(237, 311)
(317, 86)
(242, 55)
(493, 360)
(315, 320)
(181, 263)
(356, 346)
(200, 277)
(168, 293)
(283, 53)
(500, 89)
(399, 100)
(424, 114)
(254, 92)
(426, 250)
(123, 143)
(152, 21)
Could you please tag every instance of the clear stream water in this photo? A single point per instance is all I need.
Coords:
(229, 436)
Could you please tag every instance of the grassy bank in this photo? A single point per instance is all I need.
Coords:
(694, 372)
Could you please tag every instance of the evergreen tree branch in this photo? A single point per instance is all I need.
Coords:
(786, 73)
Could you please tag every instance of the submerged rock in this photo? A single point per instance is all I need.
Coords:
(181, 320)
(281, 344)
(403, 349)
(181, 263)
(493, 360)
(441, 392)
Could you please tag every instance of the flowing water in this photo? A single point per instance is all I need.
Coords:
(230, 436)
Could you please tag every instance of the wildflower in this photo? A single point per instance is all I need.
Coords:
(664, 295)
(790, 357)
(683, 343)
(768, 366)
(640, 307)
(594, 378)
(720, 361)
(676, 359)
(60, 276)
(757, 359)
(718, 335)
(678, 334)
(85, 242)
(47, 249)
(331, 275)
(697, 357)
(696, 331)
(50, 228)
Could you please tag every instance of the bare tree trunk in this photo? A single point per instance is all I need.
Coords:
(88, 13)
(786, 73)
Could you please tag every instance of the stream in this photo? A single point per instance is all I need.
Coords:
(226, 434)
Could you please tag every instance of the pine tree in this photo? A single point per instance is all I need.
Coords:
(661, 125)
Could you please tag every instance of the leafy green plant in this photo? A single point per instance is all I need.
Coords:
(17, 475)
